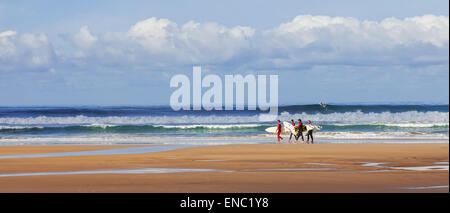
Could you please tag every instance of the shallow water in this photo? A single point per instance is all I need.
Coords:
(292, 169)
(424, 187)
(375, 171)
(122, 151)
(321, 164)
(372, 164)
(441, 163)
(127, 171)
(412, 168)
(422, 168)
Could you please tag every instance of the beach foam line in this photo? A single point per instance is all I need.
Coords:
(125, 171)
(412, 168)
(122, 151)
(423, 168)
(425, 187)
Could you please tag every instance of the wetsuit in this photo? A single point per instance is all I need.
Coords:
(279, 132)
(300, 131)
(290, 137)
(310, 128)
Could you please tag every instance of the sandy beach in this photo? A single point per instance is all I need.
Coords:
(232, 168)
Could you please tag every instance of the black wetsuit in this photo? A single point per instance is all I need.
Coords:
(310, 133)
(300, 132)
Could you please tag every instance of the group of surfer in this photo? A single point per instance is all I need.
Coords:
(298, 131)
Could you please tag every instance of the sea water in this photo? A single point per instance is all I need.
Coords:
(160, 124)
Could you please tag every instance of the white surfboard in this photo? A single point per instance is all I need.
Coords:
(316, 128)
(289, 128)
(273, 130)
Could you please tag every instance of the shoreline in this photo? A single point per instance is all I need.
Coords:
(99, 140)
(232, 168)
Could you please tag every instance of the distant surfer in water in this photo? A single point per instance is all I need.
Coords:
(310, 129)
(279, 132)
(299, 130)
(293, 124)
(323, 105)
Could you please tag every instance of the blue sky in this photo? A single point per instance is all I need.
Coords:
(124, 52)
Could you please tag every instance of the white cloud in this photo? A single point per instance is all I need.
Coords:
(8, 33)
(391, 31)
(6, 45)
(339, 40)
(304, 41)
(24, 51)
(160, 42)
(190, 43)
(84, 38)
(153, 33)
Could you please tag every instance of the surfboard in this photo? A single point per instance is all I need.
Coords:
(288, 127)
(273, 130)
(316, 128)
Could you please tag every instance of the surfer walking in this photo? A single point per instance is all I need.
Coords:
(279, 132)
(310, 129)
(290, 137)
(299, 130)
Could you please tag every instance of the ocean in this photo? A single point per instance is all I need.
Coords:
(162, 125)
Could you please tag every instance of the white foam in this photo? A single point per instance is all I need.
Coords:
(382, 135)
(104, 126)
(432, 117)
(210, 126)
(20, 127)
(410, 118)
(402, 125)
(418, 125)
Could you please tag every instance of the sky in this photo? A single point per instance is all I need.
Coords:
(125, 52)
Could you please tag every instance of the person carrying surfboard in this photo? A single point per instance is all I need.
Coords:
(299, 131)
(279, 132)
(310, 129)
(293, 124)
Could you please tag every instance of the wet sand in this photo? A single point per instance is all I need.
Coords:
(240, 168)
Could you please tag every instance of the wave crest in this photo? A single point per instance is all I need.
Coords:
(399, 118)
